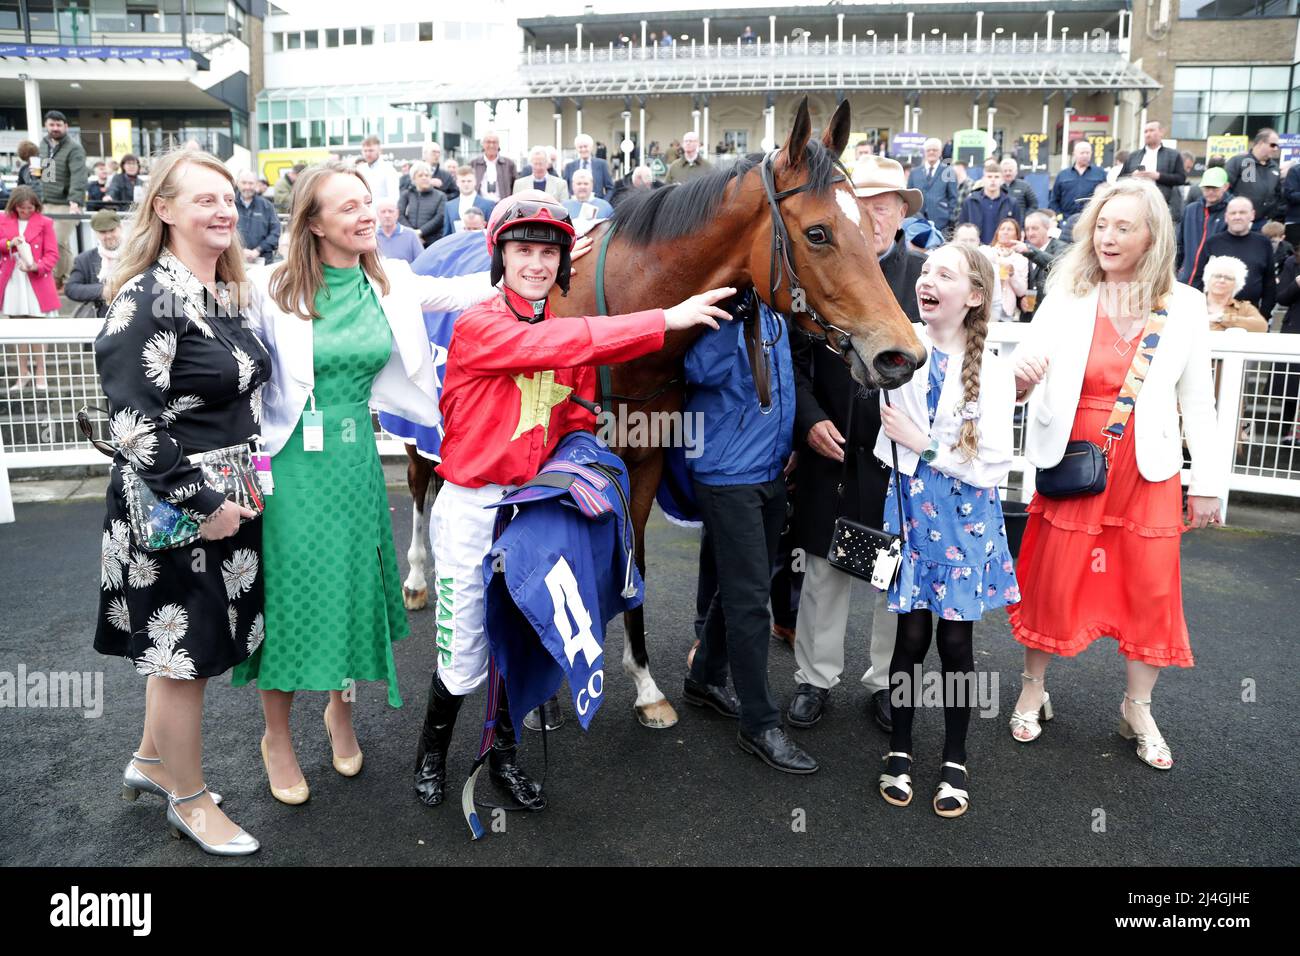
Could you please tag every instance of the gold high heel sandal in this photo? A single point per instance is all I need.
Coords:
(348, 766)
(1028, 723)
(1151, 748)
(294, 795)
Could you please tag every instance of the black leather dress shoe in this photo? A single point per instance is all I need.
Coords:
(775, 748)
(881, 712)
(807, 705)
(708, 695)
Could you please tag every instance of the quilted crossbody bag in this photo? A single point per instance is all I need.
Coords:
(861, 550)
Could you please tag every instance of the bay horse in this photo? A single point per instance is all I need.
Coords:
(788, 226)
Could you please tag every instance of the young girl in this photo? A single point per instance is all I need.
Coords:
(952, 429)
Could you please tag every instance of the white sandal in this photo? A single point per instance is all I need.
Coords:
(1151, 748)
(947, 791)
(901, 781)
(1028, 722)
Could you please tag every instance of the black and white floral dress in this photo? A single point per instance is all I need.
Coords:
(182, 375)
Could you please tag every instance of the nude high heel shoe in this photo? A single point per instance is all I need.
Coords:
(294, 795)
(348, 766)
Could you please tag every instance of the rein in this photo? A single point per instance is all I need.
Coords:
(832, 336)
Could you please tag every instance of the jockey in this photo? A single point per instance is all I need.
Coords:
(511, 366)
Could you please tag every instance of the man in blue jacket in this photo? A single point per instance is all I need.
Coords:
(991, 204)
(739, 483)
(1202, 220)
(1075, 186)
(259, 226)
(937, 183)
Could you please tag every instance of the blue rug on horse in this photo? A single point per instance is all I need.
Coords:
(459, 254)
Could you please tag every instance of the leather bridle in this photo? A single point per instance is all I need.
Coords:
(832, 336)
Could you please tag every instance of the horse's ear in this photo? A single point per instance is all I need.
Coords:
(798, 139)
(836, 136)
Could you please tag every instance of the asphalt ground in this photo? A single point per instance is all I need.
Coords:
(623, 794)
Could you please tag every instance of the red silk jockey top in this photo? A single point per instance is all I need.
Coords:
(505, 396)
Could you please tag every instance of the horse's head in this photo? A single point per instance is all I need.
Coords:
(845, 295)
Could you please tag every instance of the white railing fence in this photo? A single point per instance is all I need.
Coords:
(1257, 377)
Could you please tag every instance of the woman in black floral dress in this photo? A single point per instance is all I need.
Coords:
(182, 375)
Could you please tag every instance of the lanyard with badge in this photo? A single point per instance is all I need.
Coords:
(313, 427)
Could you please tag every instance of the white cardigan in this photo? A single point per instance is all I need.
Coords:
(991, 465)
(1179, 376)
(405, 386)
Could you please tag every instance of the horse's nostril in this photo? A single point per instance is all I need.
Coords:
(893, 365)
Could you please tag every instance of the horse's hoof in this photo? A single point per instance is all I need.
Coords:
(415, 600)
(657, 716)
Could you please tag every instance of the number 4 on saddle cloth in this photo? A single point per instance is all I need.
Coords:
(558, 571)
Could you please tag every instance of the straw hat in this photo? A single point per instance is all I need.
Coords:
(874, 175)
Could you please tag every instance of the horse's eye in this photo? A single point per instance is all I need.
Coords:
(818, 235)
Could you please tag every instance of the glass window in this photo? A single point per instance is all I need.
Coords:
(350, 37)
(1270, 78)
(1228, 102)
(453, 30)
(1268, 102)
(367, 36)
(390, 32)
(298, 136)
(108, 16)
(280, 136)
(279, 109)
(1189, 126)
(297, 109)
(1193, 78)
(473, 31)
(317, 137)
(311, 39)
(41, 15)
(293, 41)
(9, 19)
(277, 42)
(337, 131)
(332, 37)
(1231, 78)
(426, 32)
(356, 131)
(1231, 9)
(263, 135)
(407, 32)
(335, 107)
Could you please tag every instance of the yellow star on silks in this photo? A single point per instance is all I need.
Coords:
(538, 394)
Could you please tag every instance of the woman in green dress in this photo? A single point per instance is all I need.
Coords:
(345, 332)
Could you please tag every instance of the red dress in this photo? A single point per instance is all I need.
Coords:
(1107, 564)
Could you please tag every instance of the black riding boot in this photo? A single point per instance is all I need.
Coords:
(435, 738)
(501, 763)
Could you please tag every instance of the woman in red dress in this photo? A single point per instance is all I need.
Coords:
(1108, 564)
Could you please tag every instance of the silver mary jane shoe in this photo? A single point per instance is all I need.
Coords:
(241, 844)
(134, 782)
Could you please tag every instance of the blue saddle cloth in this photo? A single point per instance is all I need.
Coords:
(559, 570)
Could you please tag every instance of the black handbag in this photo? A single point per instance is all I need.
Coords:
(863, 551)
(1081, 472)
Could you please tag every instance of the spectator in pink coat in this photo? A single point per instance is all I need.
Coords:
(30, 253)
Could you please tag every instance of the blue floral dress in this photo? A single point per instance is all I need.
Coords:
(956, 562)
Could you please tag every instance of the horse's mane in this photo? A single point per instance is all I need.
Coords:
(673, 212)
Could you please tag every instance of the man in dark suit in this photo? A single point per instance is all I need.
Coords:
(500, 181)
(602, 182)
(824, 393)
(467, 197)
(1160, 164)
(938, 185)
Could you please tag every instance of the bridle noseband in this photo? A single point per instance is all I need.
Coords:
(832, 336)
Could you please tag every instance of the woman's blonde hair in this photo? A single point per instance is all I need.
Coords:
(1079, 271)
(149, 235)
(980, 272)
(295, 283)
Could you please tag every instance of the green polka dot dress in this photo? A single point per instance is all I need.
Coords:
(333, 595)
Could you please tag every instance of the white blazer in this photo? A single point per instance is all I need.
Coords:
(1179, 376)
(997, 402)
(405, 386)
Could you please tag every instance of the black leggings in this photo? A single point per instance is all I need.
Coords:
(957, 655)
